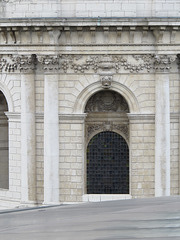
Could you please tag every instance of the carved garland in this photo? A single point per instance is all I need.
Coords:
(102, 64)
(50, 63)
(20, 62)
(105, 62)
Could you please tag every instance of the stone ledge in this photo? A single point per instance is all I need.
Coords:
(146, 118)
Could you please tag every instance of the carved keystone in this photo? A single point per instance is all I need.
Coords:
(106, 81)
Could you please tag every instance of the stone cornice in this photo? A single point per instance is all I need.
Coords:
(91, 21)
(141, 118)
(72, 118)
(13, 116)
(43, 32)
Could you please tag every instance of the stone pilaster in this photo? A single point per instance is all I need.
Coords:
(51, 129)
(26, 65)
(142, 154)
(179, 128)
(15, 160)
(72, 158)
(162, 65)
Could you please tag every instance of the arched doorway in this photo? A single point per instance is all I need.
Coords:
(4, 148)
(107, 137)
(107, 164)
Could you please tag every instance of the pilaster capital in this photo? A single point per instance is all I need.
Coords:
(50, 63)
(162, 63)
(25, 63)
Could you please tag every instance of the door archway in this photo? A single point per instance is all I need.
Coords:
(107, 164)
(107, 135)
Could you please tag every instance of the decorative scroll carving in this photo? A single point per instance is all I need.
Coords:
(94, 128)
(122, 128)
(163, 62)
(50, 63)
(106, 101)
(108, 126)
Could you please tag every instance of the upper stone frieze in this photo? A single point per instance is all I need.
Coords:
(104, 65)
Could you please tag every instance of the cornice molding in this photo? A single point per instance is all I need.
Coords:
(13, 116)
(45, 30)
(90, 21)
(138, 118)
(72, 118)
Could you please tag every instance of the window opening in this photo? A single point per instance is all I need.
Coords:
(107, 164)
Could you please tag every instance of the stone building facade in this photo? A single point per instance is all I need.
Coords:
(89, 100)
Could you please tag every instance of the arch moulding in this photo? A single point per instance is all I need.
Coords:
(87, 92)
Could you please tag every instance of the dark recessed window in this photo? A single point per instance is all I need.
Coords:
(107, 164)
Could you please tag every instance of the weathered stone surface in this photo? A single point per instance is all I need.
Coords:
(68, 61)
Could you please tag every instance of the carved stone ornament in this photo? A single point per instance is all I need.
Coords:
(108, 126)
(106, 62)
(25, 63)
(163, 62)
(7, 64)
(106, 81)
(104, 65)
(106, 101)
(50, 63)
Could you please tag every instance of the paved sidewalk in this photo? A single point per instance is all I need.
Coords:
(157, 218)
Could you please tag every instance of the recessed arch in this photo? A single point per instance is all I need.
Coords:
(7, 95)
(87, 92)
(4, 143)
(107, 142)
(107, 164)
